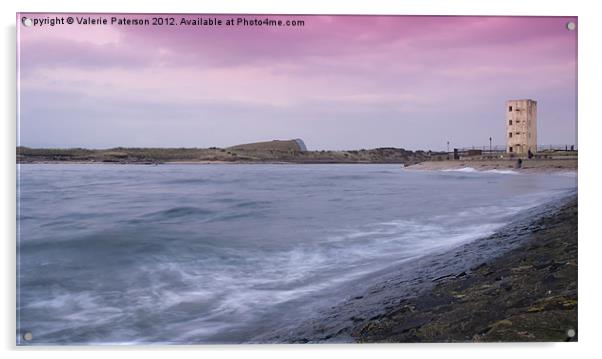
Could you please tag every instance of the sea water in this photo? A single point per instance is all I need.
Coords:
(215, 253)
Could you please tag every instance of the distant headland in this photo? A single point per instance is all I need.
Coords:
(276, 151)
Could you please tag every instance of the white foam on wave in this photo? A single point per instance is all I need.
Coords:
(463, 169)
(566, 174)
(75, 310)
(218, 292)
(262, 280)
(503, 172)
(473, 170)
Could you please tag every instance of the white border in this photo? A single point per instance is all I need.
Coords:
(589, 176)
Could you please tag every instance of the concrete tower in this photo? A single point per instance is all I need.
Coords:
(521, 126)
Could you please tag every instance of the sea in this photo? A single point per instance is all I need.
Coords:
(223, 253)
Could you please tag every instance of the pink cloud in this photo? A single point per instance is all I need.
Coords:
(405, 64)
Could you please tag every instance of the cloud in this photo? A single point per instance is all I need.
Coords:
(334, 69)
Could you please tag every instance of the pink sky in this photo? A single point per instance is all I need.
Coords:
(338, 82)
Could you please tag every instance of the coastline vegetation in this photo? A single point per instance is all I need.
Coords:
(214, 154)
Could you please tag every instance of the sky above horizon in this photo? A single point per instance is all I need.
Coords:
(338, 82)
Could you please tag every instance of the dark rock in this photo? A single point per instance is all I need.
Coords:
(482, 265)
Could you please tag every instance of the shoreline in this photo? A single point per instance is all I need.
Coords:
(501, 166)
(212, 163)
(527, 294)
(528, 166)
(550, 166)
(522, 282)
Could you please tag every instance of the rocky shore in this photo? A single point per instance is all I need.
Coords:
(527, 294)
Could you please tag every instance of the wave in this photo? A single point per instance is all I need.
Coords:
(177, 212)
(503, 172)
(197, 297)
(566, 174)
(463, 169)
(186, 266)
(472, 170)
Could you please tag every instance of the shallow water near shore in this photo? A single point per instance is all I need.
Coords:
(224, 253)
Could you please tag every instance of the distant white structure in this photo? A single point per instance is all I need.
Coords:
(301, 144)
(521, 126)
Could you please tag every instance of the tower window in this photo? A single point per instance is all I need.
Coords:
(510, 134)
(510, 123)
(510, 109)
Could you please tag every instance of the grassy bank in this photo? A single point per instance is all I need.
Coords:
(207, 155)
